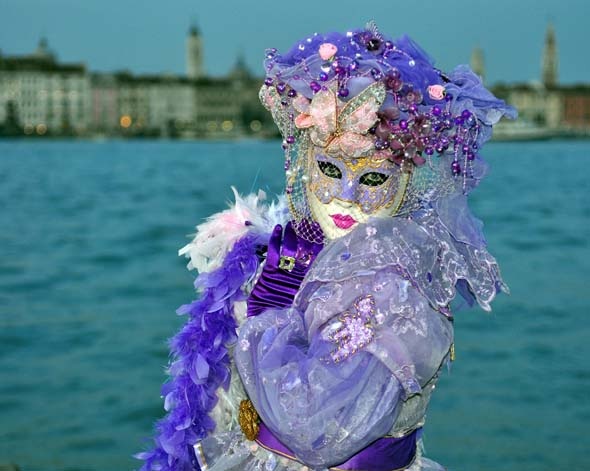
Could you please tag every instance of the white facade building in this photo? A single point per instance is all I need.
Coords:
(48, 97)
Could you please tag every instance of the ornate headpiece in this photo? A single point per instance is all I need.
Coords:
(360, 94)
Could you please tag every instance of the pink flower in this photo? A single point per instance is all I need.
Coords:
(327, 51)
(436, 92)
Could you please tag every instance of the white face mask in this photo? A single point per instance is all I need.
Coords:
(345, 193)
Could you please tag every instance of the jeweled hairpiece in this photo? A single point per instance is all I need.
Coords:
(362, 94)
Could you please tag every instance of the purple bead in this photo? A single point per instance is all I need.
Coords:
(429, 150)
(388, 45)
(323, 76)
(403, 124)
(444, 142)
(373, 44)
(456, 167)
(281, 86)
(440, 149)
(343, 92)
(353, 65)
(315, 87)
(287, 164)
(290, 139)
(291, 93)
(470, 155)
(448, 97)
(459, 120)
(381, 144)
(465, 148)
(475, 146)
(436, 111)
(268, 81)
(339, 70)
(413, 108)
(466, 114)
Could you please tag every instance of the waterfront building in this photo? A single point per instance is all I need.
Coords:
(154, 105)
(546, 108)
(42, 96)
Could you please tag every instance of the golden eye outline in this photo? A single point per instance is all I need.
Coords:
(373, 179)
(329, 169)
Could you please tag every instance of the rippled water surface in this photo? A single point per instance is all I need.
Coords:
(90, 280)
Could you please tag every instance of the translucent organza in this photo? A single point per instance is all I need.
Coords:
(229, 451)
(328, 386)
(358, 354)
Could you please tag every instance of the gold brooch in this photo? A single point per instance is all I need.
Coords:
(248, 419)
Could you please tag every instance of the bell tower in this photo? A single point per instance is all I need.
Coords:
(550, 62)
(194, 54)
(478, 63)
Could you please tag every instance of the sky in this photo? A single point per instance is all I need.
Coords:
(148, 36)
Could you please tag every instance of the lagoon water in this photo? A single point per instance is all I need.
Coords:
(90, 280)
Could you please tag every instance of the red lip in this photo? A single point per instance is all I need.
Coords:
(342, 221)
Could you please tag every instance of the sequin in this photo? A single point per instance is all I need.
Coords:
(356, 331)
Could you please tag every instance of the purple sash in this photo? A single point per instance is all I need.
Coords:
(385, 454)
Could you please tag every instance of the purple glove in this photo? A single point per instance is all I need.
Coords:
(286, 265)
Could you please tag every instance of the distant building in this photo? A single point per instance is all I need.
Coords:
(549, 71)
(478, 63)
(40, 96)
(45, 97)
(194, 54)
(546, 108)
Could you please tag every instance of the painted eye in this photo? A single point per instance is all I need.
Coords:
(373, 179)
(329, 169)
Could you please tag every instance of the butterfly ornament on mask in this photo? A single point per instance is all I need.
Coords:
(341, 127)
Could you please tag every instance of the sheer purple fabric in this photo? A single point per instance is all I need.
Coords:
(384, 454)
(333, 373)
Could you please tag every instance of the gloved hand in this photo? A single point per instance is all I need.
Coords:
(288, 259)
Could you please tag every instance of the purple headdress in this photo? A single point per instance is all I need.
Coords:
(430, 124)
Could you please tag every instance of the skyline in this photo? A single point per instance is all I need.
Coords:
(149, 38)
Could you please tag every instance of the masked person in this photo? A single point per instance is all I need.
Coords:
(325, 319)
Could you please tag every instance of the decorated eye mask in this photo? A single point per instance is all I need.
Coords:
(368, 183)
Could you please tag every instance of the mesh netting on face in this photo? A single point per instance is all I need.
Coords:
(297, 175)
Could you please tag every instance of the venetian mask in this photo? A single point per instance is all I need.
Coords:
(343, 192)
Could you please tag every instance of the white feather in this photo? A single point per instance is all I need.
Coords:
(217, 235)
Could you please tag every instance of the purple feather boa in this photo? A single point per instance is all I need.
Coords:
(201, 362)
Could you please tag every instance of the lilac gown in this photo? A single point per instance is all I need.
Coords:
(358, 354)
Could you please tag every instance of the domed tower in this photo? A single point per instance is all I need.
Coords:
(550, 63)
(194, 54)
(478, 63)
(43, 51)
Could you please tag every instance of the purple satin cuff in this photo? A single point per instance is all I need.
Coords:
(385, 454)
(276, 289)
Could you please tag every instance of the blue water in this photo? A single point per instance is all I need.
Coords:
(90, 280)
